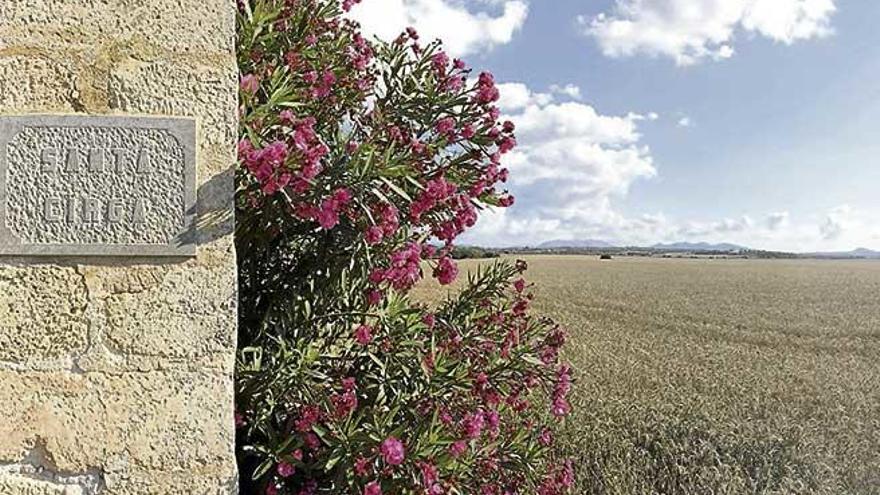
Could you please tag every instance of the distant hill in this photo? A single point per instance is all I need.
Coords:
(593, 245)
(855, 253)
(698, 246)
(575, 243)
(867, 253)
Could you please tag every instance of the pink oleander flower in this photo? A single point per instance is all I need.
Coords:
(506, 144)
(361, 466)
(493, 419)
(285, 469)
(388, 218)
(519, 284)
(566, 478)
(249, 84)
(520, 307)
(417, 147)
(560, 407)
(344, 403)
(468, 131)
(446, 271)
(429, 320)
(373, 488)
(272, 489)
(348, 4)
(445, 416)
(436, 191)
(445, 126)
(482, 379)
(312, 441)
(325, 87)
(506, 201)
(374, 297)
(392, 451)
(546, 438)
(310, 415)
(473, 424)
(453, 83)
(341, 196)
(404, 269)
(373, 235)
(439, 61)
(363, 334)
(486, 90)
(429, 475)
(327, 216)
(328, 213)
(458, 448)
(292, 58)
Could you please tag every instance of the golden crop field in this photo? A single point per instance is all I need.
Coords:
(717, 376)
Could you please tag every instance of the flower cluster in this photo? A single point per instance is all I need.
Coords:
(271, 165)
(361, 163)
(326, 214)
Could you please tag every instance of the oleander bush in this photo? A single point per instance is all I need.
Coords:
(360, 163)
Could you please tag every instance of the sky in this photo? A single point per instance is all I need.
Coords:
(755, 122)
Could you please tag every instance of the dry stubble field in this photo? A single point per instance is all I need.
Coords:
(717, 376)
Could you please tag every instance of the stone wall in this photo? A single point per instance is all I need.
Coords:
(116, 373)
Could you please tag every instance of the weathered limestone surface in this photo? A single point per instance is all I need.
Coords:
(116, 374)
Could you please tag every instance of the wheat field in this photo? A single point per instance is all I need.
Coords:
(717, 376)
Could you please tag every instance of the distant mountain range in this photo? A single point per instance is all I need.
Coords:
(582, 243)
(855, 253)
(676, 246)
(699, 247)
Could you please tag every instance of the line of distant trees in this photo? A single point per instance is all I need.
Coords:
(472, 252)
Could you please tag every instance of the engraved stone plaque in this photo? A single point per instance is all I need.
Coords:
(93, 186)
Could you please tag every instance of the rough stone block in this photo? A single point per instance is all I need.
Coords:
(30, 81)
(158, 422)
(182, 26)
(173, 88)
(42, 316)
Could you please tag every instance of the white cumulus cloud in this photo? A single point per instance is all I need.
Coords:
(571, 90)
(574, 169)
(465, 26)
(690, 31)
(777, 220)
(837, 221)
(516, 96)
(571, 164)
